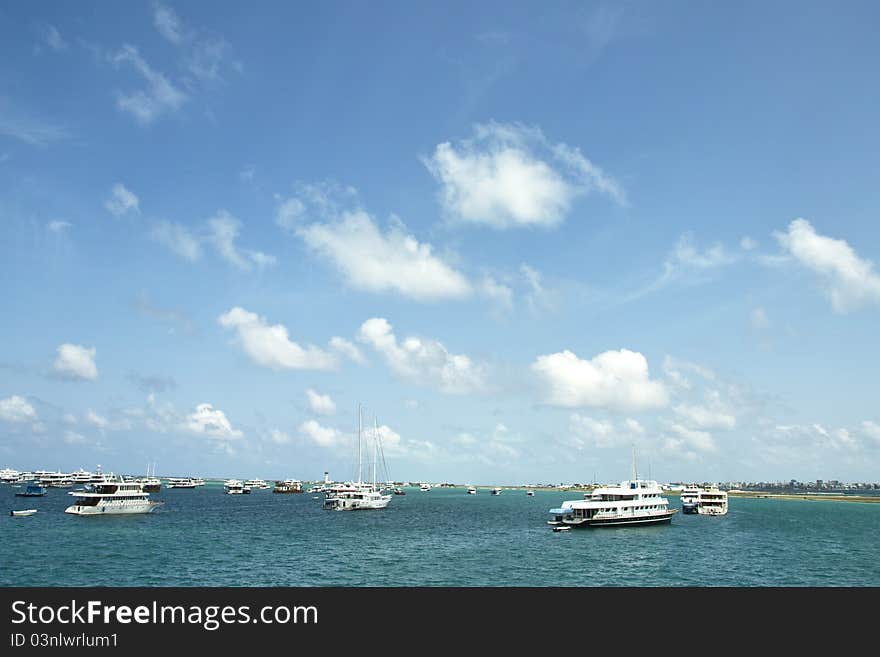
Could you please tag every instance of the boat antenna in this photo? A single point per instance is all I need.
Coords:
(360, 428)
(375, 447)
(635, 472)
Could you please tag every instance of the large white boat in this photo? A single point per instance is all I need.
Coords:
(112, 498)
(53, 479)
(425, 488)
(712, 502)
(235, 487)
(256, 483)
(471, 490)
(633, 502)
(690, 497)
(359, 496)
(182, 482)
(496, 491)
(8, 476)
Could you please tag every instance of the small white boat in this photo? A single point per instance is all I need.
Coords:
(471, 490)
(562, 529)
(26, 512)
(530, 493)
(496, 491)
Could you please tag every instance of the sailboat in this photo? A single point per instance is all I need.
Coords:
(361, 495)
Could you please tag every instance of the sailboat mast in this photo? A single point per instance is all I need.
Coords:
(375, 447)
(360, 428)
(635, 469)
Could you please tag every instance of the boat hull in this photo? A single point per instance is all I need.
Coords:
(112, 509)
(616, 522)
(689, 508)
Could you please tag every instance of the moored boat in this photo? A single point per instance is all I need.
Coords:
(690, 499)
(112, 498)
(22, 513)
(635, 502)
(712, 502)
(288, 486)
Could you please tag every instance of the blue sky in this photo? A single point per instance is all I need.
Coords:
(525, 238)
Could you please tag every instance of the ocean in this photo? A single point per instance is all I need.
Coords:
(202, 537)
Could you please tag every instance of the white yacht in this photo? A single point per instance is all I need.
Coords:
(110, 498)
(198, 481)
(471, 490)
(359, 496)
(635, 502)
(690, 499)
(530, 493)
(712, 502)
(181, 482)
(235, 487)
(496, 491)
(288, 486)
(256, 483)
(54, 479)
(425, 488)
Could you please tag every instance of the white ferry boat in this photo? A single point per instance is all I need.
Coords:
(635, 502)
(690, 496)
(496, 491)
(111, 498)
(288, 486)
(53, 479)
(182, 482)
(8, 476)
(471, 490)
(235, 487)
(712, 502)
(359, 496)
(256, 483)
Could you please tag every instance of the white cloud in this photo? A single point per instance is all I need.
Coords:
(179, 239)
(221, 233)
(58, 226)
(706, 418)
(212, 423)
(759, 319)
(423, 361)
(18, 125)
(74, 438)
(322, 436)
(872, 430)
(17, 409)
(270, 345)
(279, 437)
(96, 420)
(748, 244)
(121, 201)
(167, 23)
(701, 441)
(76, 362)
(320, 404)
(224, 229)
(613, 379)
(54, 39)
(498, 293)
(384, 262)
(159, 97)
(538, 298)
(510, 176)
(850, 281)
(290, 213)
(347, 349)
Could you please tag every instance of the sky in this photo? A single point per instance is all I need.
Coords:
(525, 238)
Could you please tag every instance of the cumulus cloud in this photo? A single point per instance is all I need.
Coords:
(699, 441)
(849, 280)
(393, 261)
(613, 379)
(211, 423)
(271, 346)
(17, 409)
(347, 349)
(320, 404)
(423, 361)
(159, 97)
(76, 362)
(706, 418)
(509, 176)
(121, 201)
(290, 213)
(322, 436)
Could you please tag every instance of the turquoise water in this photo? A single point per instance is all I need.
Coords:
(202, 537)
